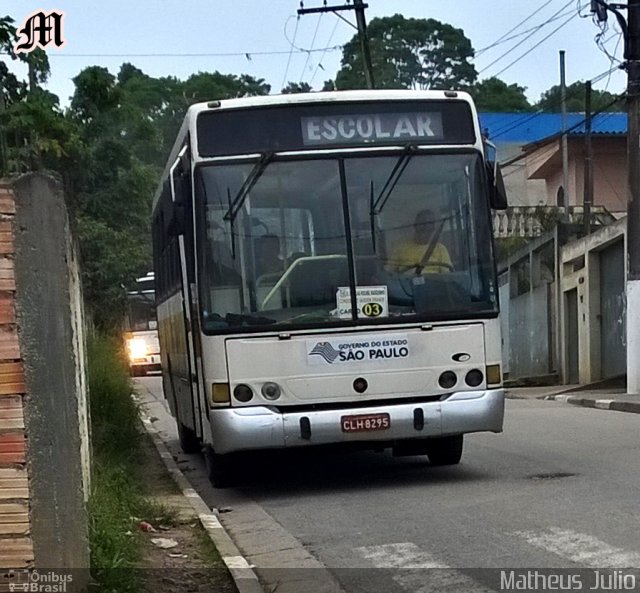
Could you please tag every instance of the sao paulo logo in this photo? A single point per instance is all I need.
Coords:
(326, 351)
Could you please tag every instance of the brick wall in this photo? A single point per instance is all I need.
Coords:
(16, 546)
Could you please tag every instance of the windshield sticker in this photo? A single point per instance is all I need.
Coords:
(372, 348)
(372, 302)
(381, 127)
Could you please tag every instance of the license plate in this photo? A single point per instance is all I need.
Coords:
(365, 422)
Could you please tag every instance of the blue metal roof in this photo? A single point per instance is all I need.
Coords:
(525, 128)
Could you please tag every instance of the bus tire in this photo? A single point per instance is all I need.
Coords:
(189, 442)
(219, 468)
(445, 450)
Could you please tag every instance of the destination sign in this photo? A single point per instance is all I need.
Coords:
(371, 128)
(223, 132)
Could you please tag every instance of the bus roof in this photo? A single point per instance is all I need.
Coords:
(327, 97)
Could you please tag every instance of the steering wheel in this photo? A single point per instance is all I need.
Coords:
(446, 266)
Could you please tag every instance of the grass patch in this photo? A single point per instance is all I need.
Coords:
(118, 501)
(114, 414)
(208, 551)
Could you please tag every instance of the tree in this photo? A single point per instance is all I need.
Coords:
(296, 87)
(207, 86)
(29, 116)
(493, 94)
(550, 101)
(410, 53)
(127, 126)
(113, 184)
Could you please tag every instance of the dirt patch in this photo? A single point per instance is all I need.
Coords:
(193, 563)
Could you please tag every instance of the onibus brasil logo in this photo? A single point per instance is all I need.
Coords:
(40, 29)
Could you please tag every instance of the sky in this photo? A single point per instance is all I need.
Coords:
(157, 36)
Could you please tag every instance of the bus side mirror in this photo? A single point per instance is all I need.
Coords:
(497, 191)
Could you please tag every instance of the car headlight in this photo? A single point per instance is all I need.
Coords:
(137, 348)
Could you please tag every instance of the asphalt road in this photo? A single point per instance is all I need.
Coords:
(558, 489)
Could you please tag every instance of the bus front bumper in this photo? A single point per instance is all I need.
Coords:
(264, 427)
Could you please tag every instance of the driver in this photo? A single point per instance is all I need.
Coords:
(423, 253)
(268, 258)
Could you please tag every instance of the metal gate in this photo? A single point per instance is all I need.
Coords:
(572, 336)
(613, 343)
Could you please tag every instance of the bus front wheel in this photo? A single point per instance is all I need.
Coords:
(445, 450)
(219, 468)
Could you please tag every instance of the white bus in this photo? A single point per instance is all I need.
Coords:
(325, 275)
(140, 327)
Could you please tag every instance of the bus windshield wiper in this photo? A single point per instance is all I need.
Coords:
(389, 185)
(249, 182)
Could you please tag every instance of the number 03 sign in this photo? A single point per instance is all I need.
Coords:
(372, 302)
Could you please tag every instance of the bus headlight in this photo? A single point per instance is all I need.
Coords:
(271, 390)
(137, 348)
(447, 380)
(474, 378)
(242, 393)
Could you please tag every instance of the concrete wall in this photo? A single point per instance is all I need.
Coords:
(529, 333)
(580, 271)
(528, 310)
(51, 339)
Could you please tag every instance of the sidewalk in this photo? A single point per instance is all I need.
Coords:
(611, 398)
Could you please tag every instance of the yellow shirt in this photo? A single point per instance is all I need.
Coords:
(407, 257)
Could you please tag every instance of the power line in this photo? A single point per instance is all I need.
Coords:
(512, 37)
(194, 55)
(358, 7)
(286, 70)
(315, 34)
(319, 65)
(505, 37)
(601, 43)
(615, 50)
(537, 45)
(544, 24)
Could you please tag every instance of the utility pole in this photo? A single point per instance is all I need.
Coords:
(631, 31)
(632, 55)
(359, 6)
(588, 161)
(565, 146)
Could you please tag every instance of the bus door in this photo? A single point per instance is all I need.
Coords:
(181, 190)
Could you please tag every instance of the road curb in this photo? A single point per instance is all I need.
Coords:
(241, 571)
(601, 404)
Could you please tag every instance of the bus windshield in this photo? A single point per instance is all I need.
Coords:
(348, 239)
(141, 312)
